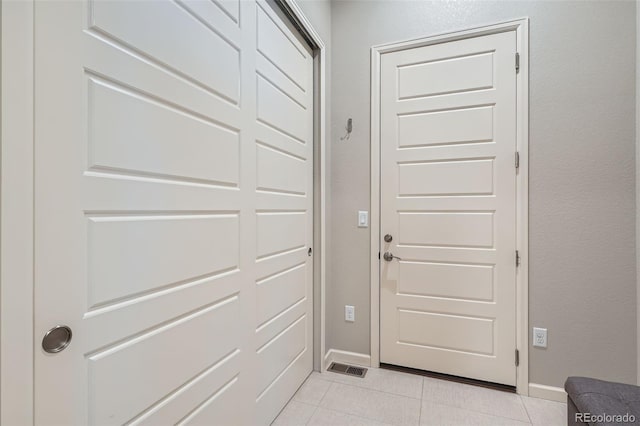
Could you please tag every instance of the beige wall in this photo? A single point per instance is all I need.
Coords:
(582, 172)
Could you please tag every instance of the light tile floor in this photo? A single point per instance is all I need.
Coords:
(387, 397)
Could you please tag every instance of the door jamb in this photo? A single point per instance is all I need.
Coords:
(17, 204)
(521, 27)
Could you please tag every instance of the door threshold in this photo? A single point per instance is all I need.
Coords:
(450, 378)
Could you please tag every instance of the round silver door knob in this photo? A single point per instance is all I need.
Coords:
(389, 256)
(56, 339)
(388, 238)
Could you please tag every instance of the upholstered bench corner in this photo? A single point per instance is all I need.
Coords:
(598, 402)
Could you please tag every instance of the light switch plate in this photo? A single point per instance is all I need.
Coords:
(349, 313)
(363, 219)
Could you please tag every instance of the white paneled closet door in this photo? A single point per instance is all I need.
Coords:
(174, 212)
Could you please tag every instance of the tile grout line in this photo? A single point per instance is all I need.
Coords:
(305, 402)
(315, 410)
(315, 406)
(421, 399)
(482, 413)
(325, 393)
(302, 402)
(371, 389)
(526, 410)
(355, 415)
(333, 382)
(478, 411)
(288, 405)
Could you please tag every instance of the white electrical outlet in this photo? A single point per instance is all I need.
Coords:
(363, 219)
(349, 313)
(540, 337)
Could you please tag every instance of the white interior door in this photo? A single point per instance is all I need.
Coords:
(173, 212)
(448, 200)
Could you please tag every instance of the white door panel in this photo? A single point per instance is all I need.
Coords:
(288, 118)
(438, 76)
(453, 229)
(231, 8)
(126, 127)
(462, 177)
(217, 399)
(282, 49)
(279, 292)
(438, 279)
(129, 256)
(443, 127)
(284, 203)
(275, 169)
(166, 32)
(129, 375)
(173, 212)
(448, 193)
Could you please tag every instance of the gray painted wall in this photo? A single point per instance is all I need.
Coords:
(582, 172)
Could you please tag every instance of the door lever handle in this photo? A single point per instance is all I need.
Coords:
(388, 256)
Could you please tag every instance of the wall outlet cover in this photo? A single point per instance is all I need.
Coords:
(540, 337)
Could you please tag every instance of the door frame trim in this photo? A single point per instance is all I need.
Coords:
(521, 27)
(17, 204)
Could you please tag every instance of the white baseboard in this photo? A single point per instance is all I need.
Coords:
(346, 357)
(547, 392)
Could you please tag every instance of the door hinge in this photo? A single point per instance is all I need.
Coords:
(517, 258)
(517, 357)
(517, 160)
(517, 62)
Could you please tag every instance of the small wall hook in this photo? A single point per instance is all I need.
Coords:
(349, 129)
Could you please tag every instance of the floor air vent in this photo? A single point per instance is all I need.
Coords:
(348, 370)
